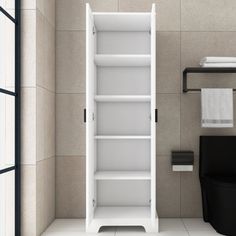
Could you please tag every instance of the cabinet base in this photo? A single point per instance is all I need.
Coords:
(149, 225)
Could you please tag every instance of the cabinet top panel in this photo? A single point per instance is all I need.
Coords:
(122, 21)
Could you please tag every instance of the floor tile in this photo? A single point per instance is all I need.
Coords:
(173, 233)
(67, 225)
(197, 224)
(206, 233)
(173, 225)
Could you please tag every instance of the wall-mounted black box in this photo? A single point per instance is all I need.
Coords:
(182, 160)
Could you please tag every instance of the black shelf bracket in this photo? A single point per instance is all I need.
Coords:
(202, 70)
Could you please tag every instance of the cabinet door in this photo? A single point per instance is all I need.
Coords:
(90, 124)
(153, 107)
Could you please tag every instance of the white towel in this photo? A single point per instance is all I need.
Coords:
(215, 65)
(217, 108)
(218, 60)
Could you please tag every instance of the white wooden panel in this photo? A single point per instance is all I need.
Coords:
(123, 42)
(122, 137)
(123, 192)
(122, 175)
(123, 154)
(122, 98)
(90, 144)
(122, 212)
(119, 21)
(123, 81)
(153, 107)
(122, 60)
(123, 118)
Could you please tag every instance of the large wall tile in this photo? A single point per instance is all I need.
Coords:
(28, 123)
(208, 15)
(168, 11)
(40, 49)
(168, 126)
(27, 4)
(45, 193)
(50, 58)
(28, 200)
(70, 62)
(168, 62)
(45, 53)
(47, 8)
(70, 187)
(45, 124)
(28, 48)
(191, 202)
(69, 124)
(70, 14)
(168, 188)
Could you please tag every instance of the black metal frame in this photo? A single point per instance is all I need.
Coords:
(198, 70)
(17, 95)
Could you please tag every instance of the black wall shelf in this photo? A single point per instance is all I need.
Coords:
(195, 70)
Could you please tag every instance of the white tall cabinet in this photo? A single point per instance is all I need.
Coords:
(120, 119)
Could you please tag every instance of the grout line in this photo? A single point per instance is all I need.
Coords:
(185, 226)
(70, 93)
(65, 156)
(70, 30)
(42, 87)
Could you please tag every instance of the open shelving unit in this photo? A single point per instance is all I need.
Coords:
(120, 120)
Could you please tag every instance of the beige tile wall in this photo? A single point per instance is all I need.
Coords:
(187, 30)
(38, 115)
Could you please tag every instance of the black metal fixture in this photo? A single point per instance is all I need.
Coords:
(195, 70)
(17, 22)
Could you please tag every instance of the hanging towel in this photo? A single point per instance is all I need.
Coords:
(217, 108)
(218, 60)
(215, 65)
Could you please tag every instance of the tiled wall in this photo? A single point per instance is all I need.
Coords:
(187, 30)
(38, 115)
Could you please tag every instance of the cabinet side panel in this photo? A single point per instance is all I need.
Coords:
(90, 149)
(153, 107)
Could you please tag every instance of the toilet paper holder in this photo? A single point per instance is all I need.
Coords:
(182, 160)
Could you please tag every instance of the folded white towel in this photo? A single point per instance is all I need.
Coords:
(215, 65)
(218, 60)
(217, 108)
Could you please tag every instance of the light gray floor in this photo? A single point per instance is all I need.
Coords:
(168, 227)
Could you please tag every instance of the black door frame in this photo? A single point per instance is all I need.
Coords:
(17, 94)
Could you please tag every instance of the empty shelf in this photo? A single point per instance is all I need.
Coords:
(122, 175)
(125, 21)
(122, 137)
(135, 212)
(122, 98)
(122, 60)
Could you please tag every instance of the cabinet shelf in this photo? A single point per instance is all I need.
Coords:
(122, 98)
(122, 137)
(122, 175)
(122, 60)
(135, 212)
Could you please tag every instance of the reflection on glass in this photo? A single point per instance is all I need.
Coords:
(7, 204)
(7, 53)
(7, 131)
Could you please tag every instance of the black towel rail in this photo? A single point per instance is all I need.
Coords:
(195, 70)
